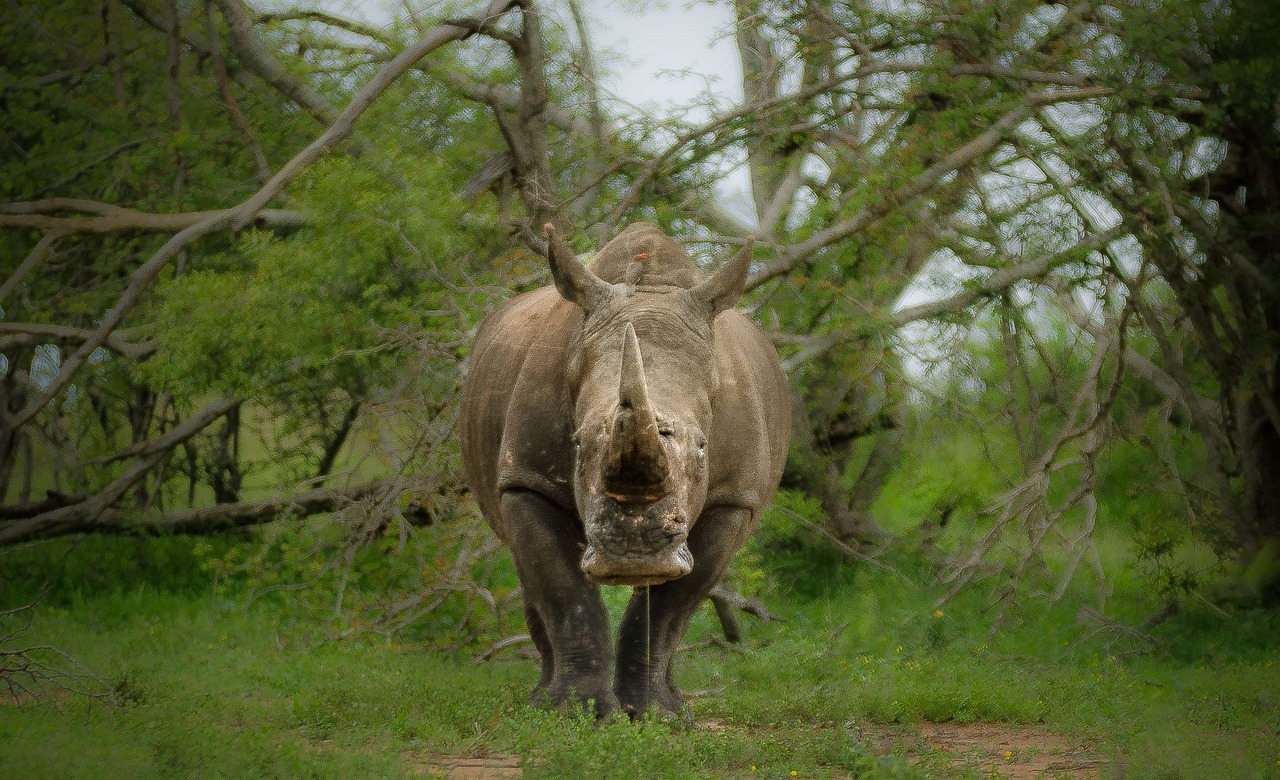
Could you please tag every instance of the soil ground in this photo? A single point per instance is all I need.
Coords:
(999, 749)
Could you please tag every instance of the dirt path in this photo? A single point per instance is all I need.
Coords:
(494, 767)
(1000, 749)
(1014, 752)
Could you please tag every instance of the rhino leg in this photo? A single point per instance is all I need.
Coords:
(538, 633)
(656, 620)
(566, 617)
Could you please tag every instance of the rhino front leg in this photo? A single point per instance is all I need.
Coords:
(563, 609)
(538, 633)
(657, 617)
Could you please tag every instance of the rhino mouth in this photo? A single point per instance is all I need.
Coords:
(605, 567)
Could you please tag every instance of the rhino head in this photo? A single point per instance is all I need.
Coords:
(642, 376)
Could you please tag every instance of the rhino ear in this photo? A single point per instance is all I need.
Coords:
(726, 285)
(573, 279)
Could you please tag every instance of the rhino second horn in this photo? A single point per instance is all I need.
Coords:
(574, 280)
(637, 466)
(726, 285)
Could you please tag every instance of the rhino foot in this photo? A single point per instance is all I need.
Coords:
(568, 698)
(661, 699)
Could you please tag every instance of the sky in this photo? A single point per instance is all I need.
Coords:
(649, 49)
(654, 58)
(640, 40)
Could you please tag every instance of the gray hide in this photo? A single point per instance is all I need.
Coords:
(624, 427)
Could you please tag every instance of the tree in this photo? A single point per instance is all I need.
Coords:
(1011, 173)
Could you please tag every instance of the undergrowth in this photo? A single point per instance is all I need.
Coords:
(207, 686)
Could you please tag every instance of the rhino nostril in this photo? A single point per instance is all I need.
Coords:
(675, 524)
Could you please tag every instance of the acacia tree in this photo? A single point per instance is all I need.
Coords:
(1035, 166)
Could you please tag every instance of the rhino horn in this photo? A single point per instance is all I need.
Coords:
(726, 285)
(574, 280)
(637, 465)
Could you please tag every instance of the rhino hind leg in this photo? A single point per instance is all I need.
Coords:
(564, 612)
(658, 616)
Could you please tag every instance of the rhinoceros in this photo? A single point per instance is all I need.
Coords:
(627, 426)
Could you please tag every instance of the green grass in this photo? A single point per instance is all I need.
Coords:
(207, 688)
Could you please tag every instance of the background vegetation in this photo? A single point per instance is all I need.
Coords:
(1018, 258)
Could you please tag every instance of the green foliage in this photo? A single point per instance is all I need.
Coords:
(787, 554)
(316, 307)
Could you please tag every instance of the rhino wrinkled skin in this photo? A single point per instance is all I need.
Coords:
(624, 427)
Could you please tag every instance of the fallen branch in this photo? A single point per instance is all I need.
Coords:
(505, 644)
(201, 520)
(82, 516)
(25, 509)
(728, 603)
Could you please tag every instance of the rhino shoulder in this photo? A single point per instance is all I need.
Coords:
(751, 411)
(515, 409)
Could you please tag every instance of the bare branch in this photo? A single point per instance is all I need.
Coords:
(1002, 279)
(34, 258)
(254, 56)
(38, 215)
(229, 99)
(727, 603)
(323, 17)
(30, 333)
(796, 254)
(504, 644)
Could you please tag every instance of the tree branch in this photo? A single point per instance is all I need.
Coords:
(1000, 280)
(37, 215)
(229, 99)
(314, 15)
(30, 333)
(797, 254)
(34, 258)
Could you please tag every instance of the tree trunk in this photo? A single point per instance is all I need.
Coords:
(225, 476)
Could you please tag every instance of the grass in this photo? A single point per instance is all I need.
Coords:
(208, 688)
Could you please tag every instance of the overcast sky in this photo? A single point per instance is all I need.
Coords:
(647, 49)
(654, 58)
(636, 40)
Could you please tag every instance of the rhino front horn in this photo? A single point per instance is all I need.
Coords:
(637, 465)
